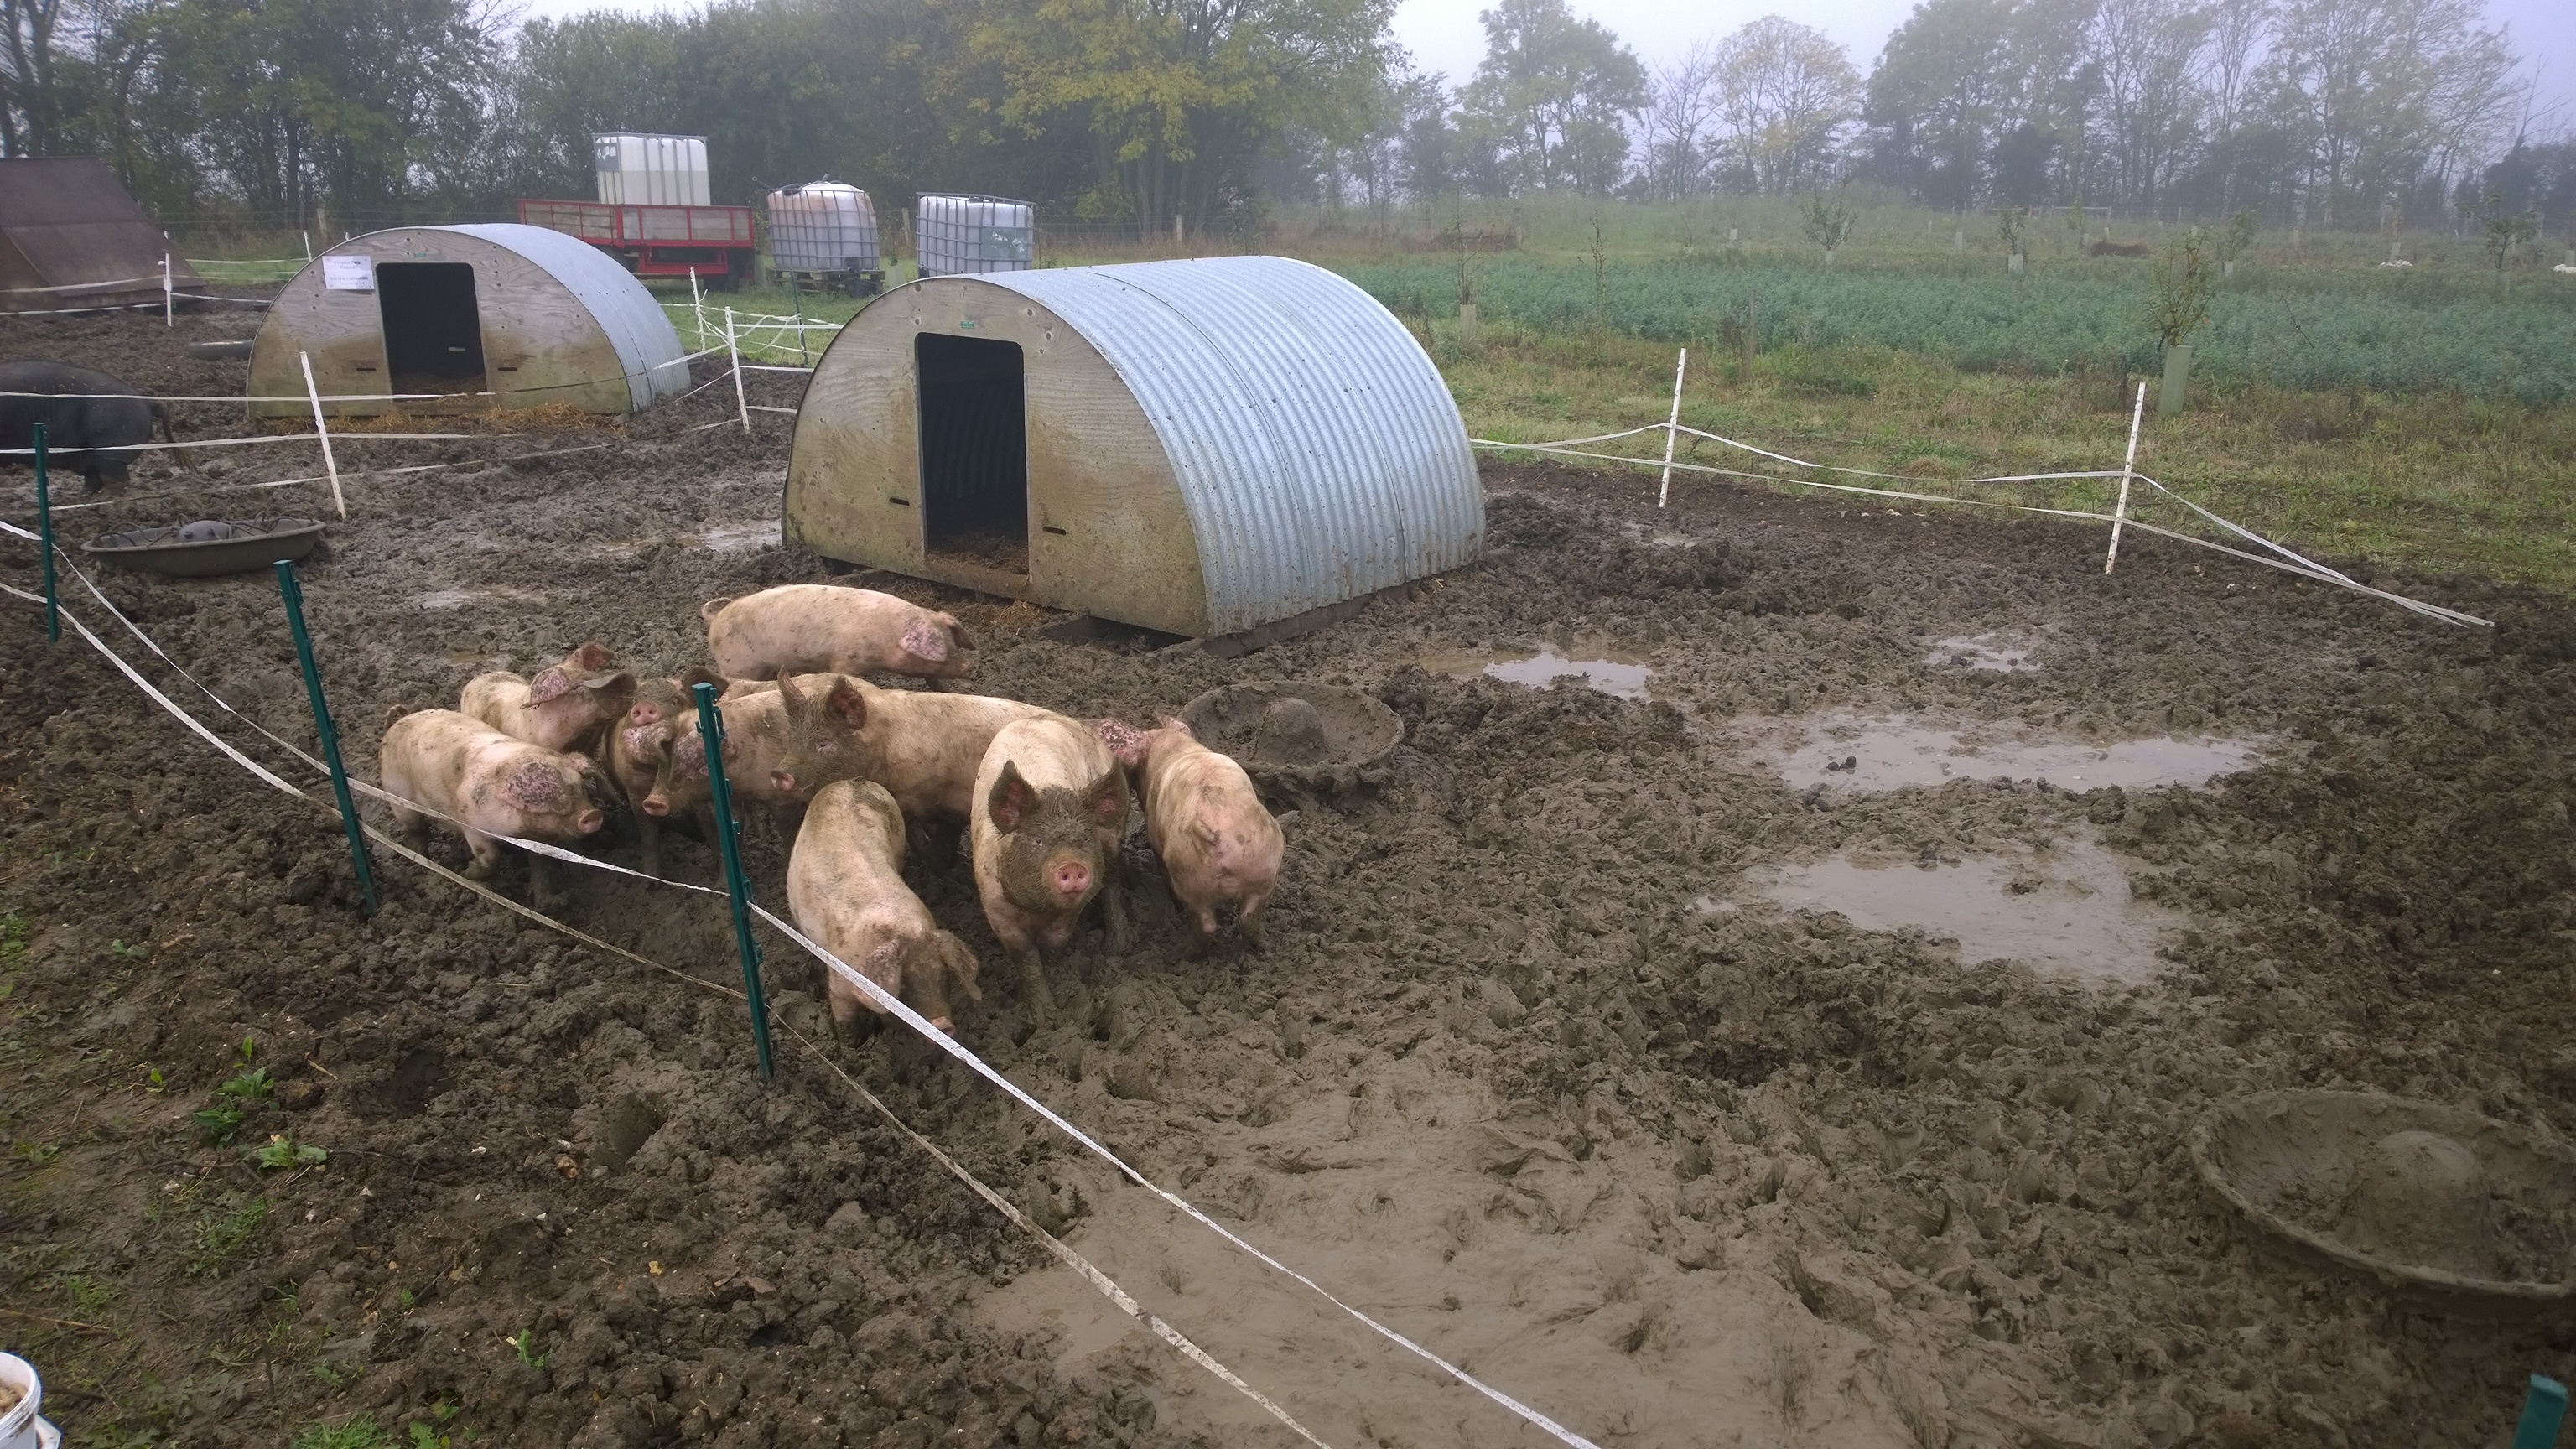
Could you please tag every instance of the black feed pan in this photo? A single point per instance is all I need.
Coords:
(209, 545)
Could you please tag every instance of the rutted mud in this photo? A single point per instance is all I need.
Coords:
(1673, 1176)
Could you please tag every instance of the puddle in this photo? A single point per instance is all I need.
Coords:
(738, 537)
(1999, 653)
(1890, 754)
(2064, 911)
(1619, 675)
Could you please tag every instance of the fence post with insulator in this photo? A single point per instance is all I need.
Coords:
(729, 845)
(292, 593)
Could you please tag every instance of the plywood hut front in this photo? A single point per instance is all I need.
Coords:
(465, 319)
(1200, 447)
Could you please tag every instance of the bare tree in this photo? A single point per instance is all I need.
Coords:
(1681, 124)
(2237, 31)
(2151, 96)
(2384, 91)
(1785, 92)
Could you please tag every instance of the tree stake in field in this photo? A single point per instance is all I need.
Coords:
(1672, 429)
(729, 845)
(322, 430)
(2128, 470)
(45, 538)
(293, 594)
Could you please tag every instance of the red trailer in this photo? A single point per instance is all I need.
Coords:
(657, 241)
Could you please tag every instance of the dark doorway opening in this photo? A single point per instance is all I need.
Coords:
(433, 327)
(974, 450)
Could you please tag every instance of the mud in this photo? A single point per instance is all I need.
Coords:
(1669, 1174)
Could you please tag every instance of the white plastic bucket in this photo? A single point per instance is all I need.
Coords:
(21, 1428)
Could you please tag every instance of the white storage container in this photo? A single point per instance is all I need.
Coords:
(647, 170)
(822, 226)
(21, 1427)
(969, 234)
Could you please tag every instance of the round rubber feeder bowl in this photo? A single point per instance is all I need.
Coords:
(2452, 1210)
(1297, 739)
(209, 546)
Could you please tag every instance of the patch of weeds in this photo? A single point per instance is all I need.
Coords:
(124, 952)
(406, 1298)
(336, 1374)
(37, 1154)
(358, 1431)
(282, 1150)
(244, 1093)
(432, 1434)
(154, 1084)
(14, 926)
(87, 1294)
(226, 1233)
(524, 1342)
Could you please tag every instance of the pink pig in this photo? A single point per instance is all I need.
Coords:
(487, 784)
(564, 708)
(1202, 816)
(820, 629)
(845, 888)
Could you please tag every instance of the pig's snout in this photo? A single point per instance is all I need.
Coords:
(656, 805)
(1070, 877)
(590, 821)
(944, 1024)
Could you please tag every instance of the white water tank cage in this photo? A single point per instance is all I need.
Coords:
(971, 235)
(826, 231)
(641, 169)
(1209, 447)
(461, 319)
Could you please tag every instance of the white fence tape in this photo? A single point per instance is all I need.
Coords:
(890, 1003)
(2288, 561)
(53, 450)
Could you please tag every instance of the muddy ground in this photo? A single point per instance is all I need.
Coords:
(1532, 1070)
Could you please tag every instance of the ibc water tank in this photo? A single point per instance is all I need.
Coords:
(969, 234)
(822, 226)
(637, 169)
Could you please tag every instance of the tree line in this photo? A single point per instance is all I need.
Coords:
(2337, 112)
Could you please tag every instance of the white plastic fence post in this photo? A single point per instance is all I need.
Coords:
(698, 307)
(1673, 428)
(168, 308)
(2128, 470)
(330, 465)
(308, 243)
(735, 351)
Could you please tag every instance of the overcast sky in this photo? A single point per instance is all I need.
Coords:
(1444, 36)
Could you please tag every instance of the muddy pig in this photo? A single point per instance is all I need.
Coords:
(845, 889)
(488, 784)
(1202, 816)
(566, 707)
(925, 748)
(817, 628)
(1050, 808)
(780, 746)
(634, 751)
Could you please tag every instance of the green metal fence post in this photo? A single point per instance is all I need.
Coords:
(45, 541)
(2543, 1408)
(729, 845)
(293, 593)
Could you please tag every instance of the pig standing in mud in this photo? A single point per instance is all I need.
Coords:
(816, 628)
(926, 748)
(845, 889)
(1050, 807)
(781, 745)
(566, 707)
(1202, 816)
(488, 784)
(636, 749)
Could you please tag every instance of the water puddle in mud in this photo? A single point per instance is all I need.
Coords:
(1997, 653)
(2065, 910)
(738, 537)
(1892, 753)
(1622, 676)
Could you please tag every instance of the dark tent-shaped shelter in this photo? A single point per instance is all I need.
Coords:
(71, 236)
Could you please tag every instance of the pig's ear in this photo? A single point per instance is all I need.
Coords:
(703, 675)
(884, 966)
(394, 713)
(1106, 800)
(962, 966)
(924, 640)
(621, 680)
(711, 608)
(846, 702)
(1175, 722)
(591, 658)
(957, 632)
(551, 683)
(1009, 800)
(788, 691)
(534, 786)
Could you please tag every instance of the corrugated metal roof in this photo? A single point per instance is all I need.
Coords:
(1319, 452)
(648, 348)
